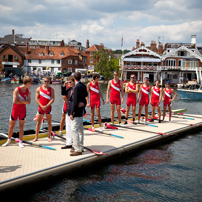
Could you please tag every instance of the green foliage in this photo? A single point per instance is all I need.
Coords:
(105, 63)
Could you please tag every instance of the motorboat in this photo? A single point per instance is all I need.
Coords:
(191, 90)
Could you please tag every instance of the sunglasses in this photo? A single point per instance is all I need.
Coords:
(46, 81)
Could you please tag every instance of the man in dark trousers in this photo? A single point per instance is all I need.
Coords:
(79, 95)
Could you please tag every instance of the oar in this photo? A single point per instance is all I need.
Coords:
(97, 131)
(181, 117)
(192, 116)
(96, 152)
(139, 129)
(31, 143)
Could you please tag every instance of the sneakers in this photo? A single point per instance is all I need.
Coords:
(146, 122)
(159, 121)
(134, 123)
(120, 124)
(126, 122)
(152, 120)
(100, 129)
(7, 143)
(60, 133)
(21, 145)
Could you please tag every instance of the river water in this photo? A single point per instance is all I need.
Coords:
(171, 172)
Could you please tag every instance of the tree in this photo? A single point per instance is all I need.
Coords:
(105, 63)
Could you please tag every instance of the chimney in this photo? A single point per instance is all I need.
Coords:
(13, 33)
(160, 50)
(193, 40)
(47, 50)
(102, 45)
(142, 43)
(27, 48)
(62, 43)
(87, 44)
(137, 43)
(153, 46)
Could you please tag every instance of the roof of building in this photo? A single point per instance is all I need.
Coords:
(8, 39)
(15, 48)
(95, 47)
(48, 53)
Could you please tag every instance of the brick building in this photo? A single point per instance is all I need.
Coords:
(11, 60)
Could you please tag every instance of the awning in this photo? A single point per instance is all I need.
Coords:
(142, 60)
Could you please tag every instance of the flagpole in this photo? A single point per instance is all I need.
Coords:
(122, 57)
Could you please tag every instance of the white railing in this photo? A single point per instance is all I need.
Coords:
(157, 68)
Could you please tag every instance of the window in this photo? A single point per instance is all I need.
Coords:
(16, 58)
(40, 54)
(52, 61)
(4, 57)
(58, 61)
(76, 62)
(34, 68)
(91, 60)
(179, 63)
(61, 54)
(170, 63)
(44, 68)
(69, 62)
(29, 61)
(175, 76)
(69, 69)
(182, 53)
(39, 61)
(91, 54)
(51, 54)
(59, 68)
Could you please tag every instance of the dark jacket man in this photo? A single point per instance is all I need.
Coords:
(79, 95)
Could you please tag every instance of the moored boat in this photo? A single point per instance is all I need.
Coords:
(191, 90)
(7, 80)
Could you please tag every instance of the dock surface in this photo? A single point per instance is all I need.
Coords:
(22, 165)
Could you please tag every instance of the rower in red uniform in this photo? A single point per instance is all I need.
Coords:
(64, 109)
(144, 101)
(155, 99)
(168, 99)
(44, 98)
(131, 88)
(21, 98)
(95, 95)
(115, 87)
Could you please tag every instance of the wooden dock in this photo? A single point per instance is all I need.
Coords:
(20, 166)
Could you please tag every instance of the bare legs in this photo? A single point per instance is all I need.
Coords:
(39, 120)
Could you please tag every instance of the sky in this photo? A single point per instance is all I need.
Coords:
(104, 21)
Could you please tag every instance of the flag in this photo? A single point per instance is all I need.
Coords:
(122, 41)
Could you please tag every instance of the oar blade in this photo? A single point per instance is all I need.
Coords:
(48, 147)
(97, 152)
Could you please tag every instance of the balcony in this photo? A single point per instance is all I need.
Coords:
(143, 68)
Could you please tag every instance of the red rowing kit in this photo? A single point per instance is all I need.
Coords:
(44, 98)
(19, 110)
(131, 99)
(94, 96)
(155, 96)
(64, 108)
(115, 97)
(144, 96)
(167, 97)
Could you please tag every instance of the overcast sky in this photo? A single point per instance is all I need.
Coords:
(104, 21)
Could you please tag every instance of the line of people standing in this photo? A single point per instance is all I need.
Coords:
(76, 96)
